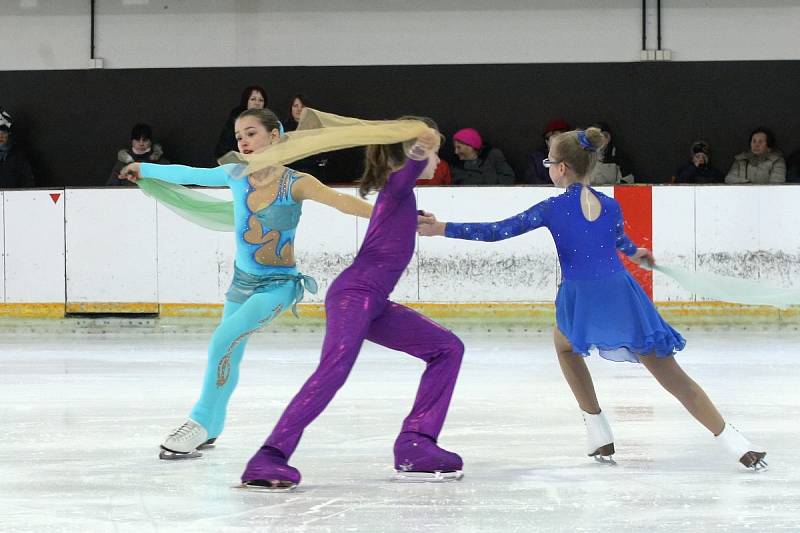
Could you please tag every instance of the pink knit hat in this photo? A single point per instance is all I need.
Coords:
(469, 136)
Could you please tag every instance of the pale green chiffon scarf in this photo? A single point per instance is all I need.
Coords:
(729, 289)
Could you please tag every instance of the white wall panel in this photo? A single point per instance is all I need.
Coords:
(518, 269)
(727, 231)
(195, 265)
(111, 246)
(45, 35)
(206, 33)
(325, 244)
(363, 32)
(729, 30)
(779, 235)
(673, 238)
(34, 258)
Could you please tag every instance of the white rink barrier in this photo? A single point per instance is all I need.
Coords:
(118, 250)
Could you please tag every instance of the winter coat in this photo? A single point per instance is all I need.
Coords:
(535, 173)
(126, 156)
(750, 168)
(15, 169)
(702, 174)
(441, 176)
(227, 138)
(793, 167)
(611, 169)
(490, 168)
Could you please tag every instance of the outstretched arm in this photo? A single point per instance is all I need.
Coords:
(402, 180)
(310, 188)
(180, 174)
(524, 222)
(623, 243)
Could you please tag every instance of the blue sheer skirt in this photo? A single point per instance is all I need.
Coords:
(615, 316)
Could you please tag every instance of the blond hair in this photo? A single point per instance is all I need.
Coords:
(578, 149)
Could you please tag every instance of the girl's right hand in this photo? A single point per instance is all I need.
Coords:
(130, 172)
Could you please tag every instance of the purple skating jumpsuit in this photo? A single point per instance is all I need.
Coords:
(357, 306)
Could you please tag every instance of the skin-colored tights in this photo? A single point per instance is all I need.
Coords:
(665, 370)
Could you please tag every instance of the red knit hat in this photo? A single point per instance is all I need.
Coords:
(557, 124)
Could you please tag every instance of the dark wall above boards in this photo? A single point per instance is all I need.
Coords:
(74, 122)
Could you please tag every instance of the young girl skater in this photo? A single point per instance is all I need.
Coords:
(357, 308)
(599, 305)
(267, 206)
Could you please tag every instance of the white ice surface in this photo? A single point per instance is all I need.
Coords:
(83, 416)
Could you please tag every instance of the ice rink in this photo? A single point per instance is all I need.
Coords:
(84, 413)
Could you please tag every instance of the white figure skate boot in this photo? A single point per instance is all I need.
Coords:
(600, 440)
(736, 445)
(184, 442)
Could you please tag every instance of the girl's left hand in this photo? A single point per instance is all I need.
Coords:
(424, 217)
(426, 144)
(643, 256)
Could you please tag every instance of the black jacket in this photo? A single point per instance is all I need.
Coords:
(702, 174)
(15, 170)
(227, 138)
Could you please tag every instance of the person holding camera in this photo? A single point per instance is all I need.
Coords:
(699, 169)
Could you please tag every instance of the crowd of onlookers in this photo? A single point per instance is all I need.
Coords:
(473, 162)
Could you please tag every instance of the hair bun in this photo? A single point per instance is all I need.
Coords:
(585, 142)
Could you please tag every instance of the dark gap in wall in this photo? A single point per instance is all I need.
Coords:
(73, 122)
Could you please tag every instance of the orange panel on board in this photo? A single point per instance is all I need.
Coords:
(637, 209)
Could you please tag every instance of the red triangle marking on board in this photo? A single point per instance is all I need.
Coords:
(55, 196)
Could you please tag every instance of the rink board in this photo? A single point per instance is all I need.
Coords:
(118, 250)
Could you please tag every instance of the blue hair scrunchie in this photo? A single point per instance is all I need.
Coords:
(281, 131)
(584, 142)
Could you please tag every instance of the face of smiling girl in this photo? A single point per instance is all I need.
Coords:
(252, 136)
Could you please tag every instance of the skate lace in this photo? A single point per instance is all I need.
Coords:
(184, 431)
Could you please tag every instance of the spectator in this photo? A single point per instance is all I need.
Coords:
(296, 107)
(761, 164)
(535, 173)
(317, 164)
(15, 170)
(253, 97)
(699, 169)
(441, 176)
(612, 167)
(479, 163)
(142, 150)
(793, 167)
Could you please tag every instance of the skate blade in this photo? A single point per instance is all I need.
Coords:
(606, 460)
(169, 455)
(259, 485)
(427, 477)
(759, 466)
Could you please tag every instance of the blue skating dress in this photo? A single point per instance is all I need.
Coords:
(599, 304)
